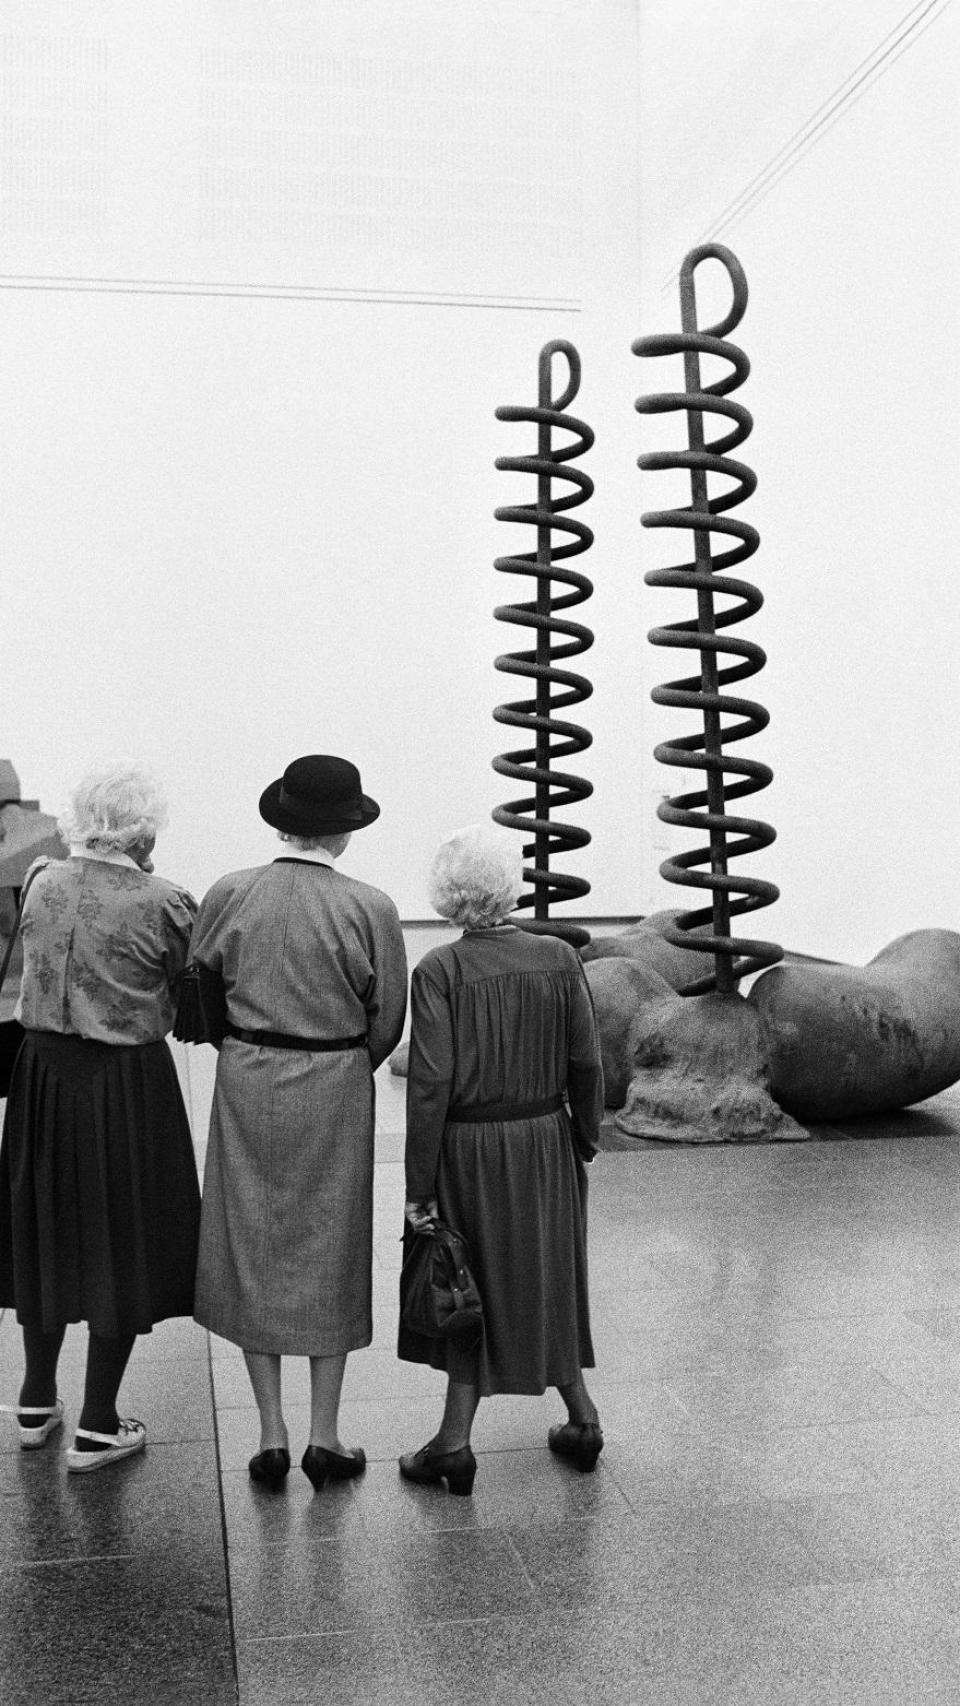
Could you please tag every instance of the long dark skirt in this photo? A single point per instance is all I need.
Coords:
(99, 1200)
(518, 1194)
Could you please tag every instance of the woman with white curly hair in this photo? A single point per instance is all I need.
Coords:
(504, 1102)
(99, 1199)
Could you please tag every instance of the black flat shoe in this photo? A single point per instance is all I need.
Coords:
(320, 1465)
(430, 1467)
(270, 1467)
(581, 1442)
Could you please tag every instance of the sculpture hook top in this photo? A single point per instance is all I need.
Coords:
(558, 639)
(726, 718)
(558, 346)
(688, 289)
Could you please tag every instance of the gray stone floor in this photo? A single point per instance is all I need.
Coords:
(775, 1518)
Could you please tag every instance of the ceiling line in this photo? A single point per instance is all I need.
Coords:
(406, 299)
(854, 86)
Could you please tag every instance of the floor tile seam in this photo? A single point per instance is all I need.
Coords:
(505, 1526)
(736, 1370)
(637, 1503)
(224, 1529)
(909, 1396)
(373, 1539)
(538, 1598)
(391, 1623)
(423, 1621)
(794, 1524)
(748, 1439)
(687, 1414)
(852, 1365)
(852, 1312)
(306, 1635)
(70, 1561)
(762, 1428)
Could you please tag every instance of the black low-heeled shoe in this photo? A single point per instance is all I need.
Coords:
(270, 1467)
(580, 1442)
(320, 1465)
(430, 1468)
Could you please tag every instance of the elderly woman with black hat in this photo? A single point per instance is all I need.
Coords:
(303, 975)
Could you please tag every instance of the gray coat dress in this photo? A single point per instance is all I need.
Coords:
(286, 1231)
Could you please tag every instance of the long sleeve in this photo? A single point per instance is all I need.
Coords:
(584, 1071)
(429, 1081)
(178, 918)
(386, 1000)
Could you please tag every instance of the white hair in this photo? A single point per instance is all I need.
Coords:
(114, 809)
(476, 876)
(334, 843)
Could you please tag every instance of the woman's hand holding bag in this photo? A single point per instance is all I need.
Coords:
(420, 1216)
(438, 1294)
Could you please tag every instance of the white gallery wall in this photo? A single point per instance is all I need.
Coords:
(274, 282)
(263, 290)
(821, 143)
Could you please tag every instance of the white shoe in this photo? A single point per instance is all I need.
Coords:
(31, 1438)
(130, 1436)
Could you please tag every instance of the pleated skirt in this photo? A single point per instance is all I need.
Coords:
(518, 1193)
(99, 1198)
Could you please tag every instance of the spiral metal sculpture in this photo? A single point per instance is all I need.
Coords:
(706, 810)
(557, 639)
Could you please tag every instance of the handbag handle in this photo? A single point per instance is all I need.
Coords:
(16, 923)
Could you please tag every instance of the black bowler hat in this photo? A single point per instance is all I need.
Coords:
(318, 795)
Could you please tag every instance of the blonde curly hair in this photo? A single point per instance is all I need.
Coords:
(476, 876)
(113, 809)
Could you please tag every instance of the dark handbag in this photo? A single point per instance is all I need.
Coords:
(201, 1006)
(188, 1025)
(12, 1032)
(438, 1293)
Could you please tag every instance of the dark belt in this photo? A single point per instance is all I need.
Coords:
(280, 1039)
(477, 1112)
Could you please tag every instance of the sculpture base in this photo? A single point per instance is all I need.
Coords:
(844, 1041)
(701, 1076)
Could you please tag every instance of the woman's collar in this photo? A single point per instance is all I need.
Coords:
(306, 856)
(78, 851)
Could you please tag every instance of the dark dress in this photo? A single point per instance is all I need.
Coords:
(99, 1198)
(504, 1017)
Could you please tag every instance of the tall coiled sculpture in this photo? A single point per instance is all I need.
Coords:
(729, 836)
(557, 639)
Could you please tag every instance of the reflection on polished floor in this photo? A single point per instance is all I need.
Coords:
(775, 1518)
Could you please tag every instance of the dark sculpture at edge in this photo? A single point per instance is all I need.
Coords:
(696, 1065)
(814, 1041)
(25, 833)
(558, 639)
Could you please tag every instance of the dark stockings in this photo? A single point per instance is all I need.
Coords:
(463, 1396)
(41, 1353)
(106, 1361)
(580, 1406)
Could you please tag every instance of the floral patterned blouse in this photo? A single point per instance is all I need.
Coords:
(104, 944)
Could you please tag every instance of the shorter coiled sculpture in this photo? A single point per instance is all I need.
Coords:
(557, 639)
(707, 810)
